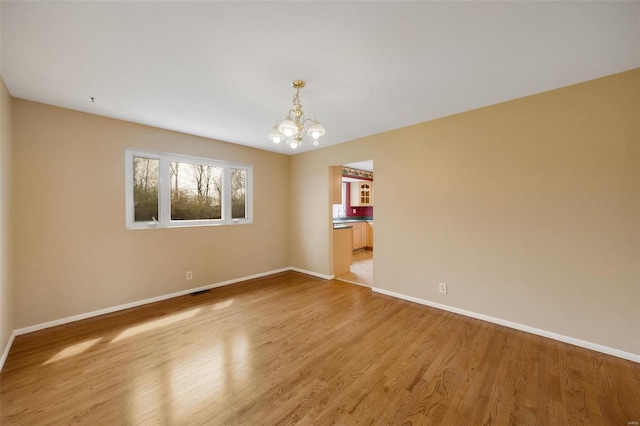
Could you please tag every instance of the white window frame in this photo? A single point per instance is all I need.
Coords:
(164, 191)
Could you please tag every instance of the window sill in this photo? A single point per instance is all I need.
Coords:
(189, 225)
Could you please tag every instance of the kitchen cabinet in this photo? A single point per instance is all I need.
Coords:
(369, 234)
(336, 184)
(361, 193)
(342, 251)
(359, 234)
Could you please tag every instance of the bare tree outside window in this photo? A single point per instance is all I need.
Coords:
(238, 193)
(145, 188)
(171, 190)
(196, 191)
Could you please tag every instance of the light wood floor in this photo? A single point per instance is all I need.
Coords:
(290, 349)
(361, 268)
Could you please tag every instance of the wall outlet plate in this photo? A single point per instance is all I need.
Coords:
(189, 275)
(442, 287)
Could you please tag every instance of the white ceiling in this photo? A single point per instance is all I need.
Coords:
(362, 165)
(223, 69)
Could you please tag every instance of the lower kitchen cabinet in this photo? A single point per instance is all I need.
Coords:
(362, 235)
(358, 232)
(342, 251)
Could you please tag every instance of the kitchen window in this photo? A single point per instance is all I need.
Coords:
(170, 190)
(340, 210)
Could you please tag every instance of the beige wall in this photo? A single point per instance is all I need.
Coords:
(7, 313)
(73, 253)
(529, 210)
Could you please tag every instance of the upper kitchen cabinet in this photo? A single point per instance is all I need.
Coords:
(336, 184)
(361, 193)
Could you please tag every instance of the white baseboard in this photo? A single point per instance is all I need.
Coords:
(352, 282)
(544, 333)
(109, 310)
(313, 274)
(7, 348)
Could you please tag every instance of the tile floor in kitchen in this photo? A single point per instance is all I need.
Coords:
(361, 268)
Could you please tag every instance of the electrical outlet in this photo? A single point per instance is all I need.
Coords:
(443, 288)
(354, 210)
(189, 275)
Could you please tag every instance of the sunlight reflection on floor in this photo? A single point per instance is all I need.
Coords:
(152, 325)
(72, 350)
(147, 398)
(197, 379)
(208, 374)
(222, 305)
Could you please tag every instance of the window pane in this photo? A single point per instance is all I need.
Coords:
(145, 188)
(238, 193)
(196, 191)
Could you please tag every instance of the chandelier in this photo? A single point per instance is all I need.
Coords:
(290, 128)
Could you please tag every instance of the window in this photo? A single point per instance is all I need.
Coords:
(146, 179)
(169, 190)
(238, 193)
(340, 210)
(196, 191)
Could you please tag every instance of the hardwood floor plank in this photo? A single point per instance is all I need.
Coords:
(294, 349)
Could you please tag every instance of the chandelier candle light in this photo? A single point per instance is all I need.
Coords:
(290, 128)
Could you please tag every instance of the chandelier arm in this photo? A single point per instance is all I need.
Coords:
(307, 119)
(278, 120)
(292, 116)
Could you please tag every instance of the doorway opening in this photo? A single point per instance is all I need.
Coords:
(353, 223)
